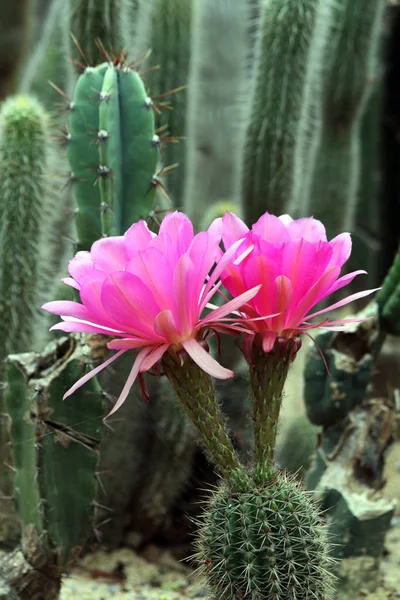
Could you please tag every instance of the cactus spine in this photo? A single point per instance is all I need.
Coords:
(330, 191)
(286, 32)
(170, 43)
(216, 89)
(113, 151)
(266, 542)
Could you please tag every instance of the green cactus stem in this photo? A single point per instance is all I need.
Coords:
(55, 500)
(265, 542)
(217, 85)
(268, 372)
(340, 99)
(93, 20)
(26, 208)
(285, 37)
(113, 151)
(194, 390)
(170, 44)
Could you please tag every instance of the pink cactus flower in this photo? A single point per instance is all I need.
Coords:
(149, 293)
(297, 268)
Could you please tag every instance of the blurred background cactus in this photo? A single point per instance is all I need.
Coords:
(282, 105)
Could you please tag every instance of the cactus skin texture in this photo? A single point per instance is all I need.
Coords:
(170, 44)
(264, 542)
(217, 86)
(93, 20)
(285, 36)
(25, 211)
(350, 68)
(55, 500)
(112, 150)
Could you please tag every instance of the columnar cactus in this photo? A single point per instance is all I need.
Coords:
(95, 20)
(216, 109)
(343, 82)
(112, 149)
(285, 36)
(170, 43)
(55, 456)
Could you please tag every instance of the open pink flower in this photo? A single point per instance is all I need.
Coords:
(148, 292)
(296, 266)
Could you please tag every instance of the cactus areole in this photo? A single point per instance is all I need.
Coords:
(111, 150)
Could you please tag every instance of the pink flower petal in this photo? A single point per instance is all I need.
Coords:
(91, 374)
(185, 309)
(141, 355)
(205, 361)
(230, 306)
(343, 302)
(138, 237)
(153, 357)
(345, 280)
(271, 228)
(128, 343)
(129, 302)
(165, 326)
(179, 229)
(81, 267)
(233, 229)
(71, 282)
(341, 246)
(268, 340)
(68, 308)
(82, 327)
(109, 254)
(308, 229)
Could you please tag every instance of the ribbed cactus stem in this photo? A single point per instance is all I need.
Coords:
(217, 85)
(195, 392)
(170, 43)
(286, 32)
(268, 373)
(343, 84)
(93, 20)
(113, 151)
(25, 207)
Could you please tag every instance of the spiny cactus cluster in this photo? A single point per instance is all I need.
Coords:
(265, 542)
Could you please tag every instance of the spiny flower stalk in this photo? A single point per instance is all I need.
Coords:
(148, 292)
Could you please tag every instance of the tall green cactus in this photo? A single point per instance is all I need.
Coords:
(25, 213)
(286, 32)
(170, 43)
(217, 87)
(55, 453)
(26, 207)
(113, 151)
(50, 60)
(93, 20)
(343, 81)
